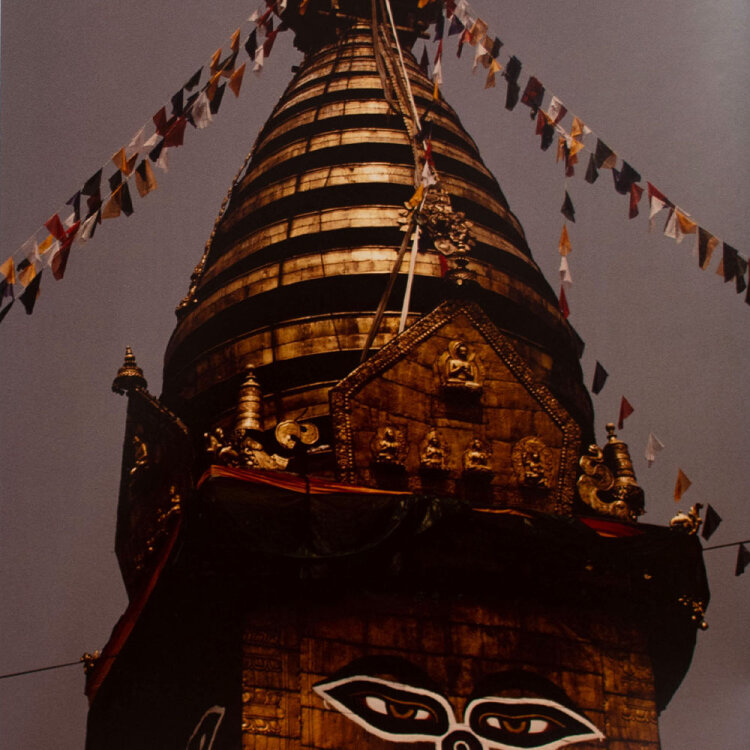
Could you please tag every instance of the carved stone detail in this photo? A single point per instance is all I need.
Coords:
(432, 453)
(262, 711)
(459, 369)
(688, 523)
(608, 483)
(532, 462)
(389, 446)
(476, 458)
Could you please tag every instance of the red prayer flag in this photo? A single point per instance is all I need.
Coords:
(625, 411)
(564, 309)
(175, 135)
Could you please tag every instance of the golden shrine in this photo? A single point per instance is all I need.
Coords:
(368, 508)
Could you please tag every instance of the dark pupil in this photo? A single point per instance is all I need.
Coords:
(516, 727)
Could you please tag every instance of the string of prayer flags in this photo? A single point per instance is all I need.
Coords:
(710, 523)
(653, 446)
(743, 558)
(681, 485)
(600, 378)
(625, 411)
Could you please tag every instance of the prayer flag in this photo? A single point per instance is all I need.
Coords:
(481, 56)
(478, 31)
(656, 201)
(27, 272)
(176, 134)
(439, 27)
(268, 44)
(743, 557)
(511, 73)
(579, 128)
(456, 26)
(741, 284)
(92, 186)
(706, 245)
(161, 122)
(251, 45)
(653, 446)
(687, 225)
(625, 411)
(600, 378)
(55, 227)
(564, 247)
(495, 68)
(145, 181)
(218, 96)
(235, 81)
(178, 103)
(672, 226)
(88, 226)
(592, 173)
(424, 61)
(4, 312)
(711, 523)
(681, 485)
(533, 95)
(624, 178)
(416, 199)
(113, 207)
(75, 203)
(234, 44)
(194, 79)
(567, 209)
(201, 111)
(556, 110)
(122, 163)
(636, 193)
(8, 271)
(215, 60)
(606, 158)
(730, 262)
(495, 49)
(545, 128)
(565, 276)
(564, 309)
(258, 67)
(31, 293)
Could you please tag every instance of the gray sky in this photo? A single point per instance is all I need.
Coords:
(664, 84)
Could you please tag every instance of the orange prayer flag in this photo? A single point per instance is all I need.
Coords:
(577, 128)
(213, 85)
(235, 43)
(8, 270)
(416, 199)
(145, 181)
(122, 163)
(687, 226)
(46, 244)
(564, 247)
(574, 148)
(215, 59)
(27, 275)
(113, 207)
(681, 485)
(235, 80)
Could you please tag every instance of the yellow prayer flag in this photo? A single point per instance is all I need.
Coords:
(687, 226)
(576, 130)
(574, 148)
(495, 68)
(27, 275)
(478, 31)
(46, 244)
(235, 80)
(8, 270)
(561, 141)
(145, 181)
(564, 247)
(235, 43)
(123, 164)
(213, 84)
(681, 485)
(416, 199)
(215, 59)
(113, 207)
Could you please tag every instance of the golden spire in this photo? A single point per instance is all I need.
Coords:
(129, 376)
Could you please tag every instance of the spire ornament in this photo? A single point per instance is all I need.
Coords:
(129, 376)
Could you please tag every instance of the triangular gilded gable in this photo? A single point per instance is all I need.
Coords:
(449, 407)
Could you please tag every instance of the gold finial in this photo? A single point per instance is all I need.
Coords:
(129, 376)
(249, 404)
(611, 435)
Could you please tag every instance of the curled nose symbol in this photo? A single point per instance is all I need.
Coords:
(460, 739)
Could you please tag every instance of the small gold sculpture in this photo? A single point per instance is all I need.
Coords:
(140, 458)
(532, 462)
(697, 611)
(459, 368)
(608, 483)
(688, 523)
(432, 453)
(389, 446)
(476, 458)
(89, 660)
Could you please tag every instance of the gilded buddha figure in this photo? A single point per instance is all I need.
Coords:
(459, 369)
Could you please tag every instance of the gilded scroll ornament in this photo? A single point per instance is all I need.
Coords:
(688, 523)
(532, 462)
(432, 453)
(459, 368)
(389, 446)
(608, 483)
(449, 229)
(476, 458)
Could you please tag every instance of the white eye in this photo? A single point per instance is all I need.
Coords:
(536, 726)
(422, 714)
(494, 722)
(376, 704)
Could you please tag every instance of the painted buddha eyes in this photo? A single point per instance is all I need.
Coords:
(527, 723)
(400, 712)
(389, 709)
